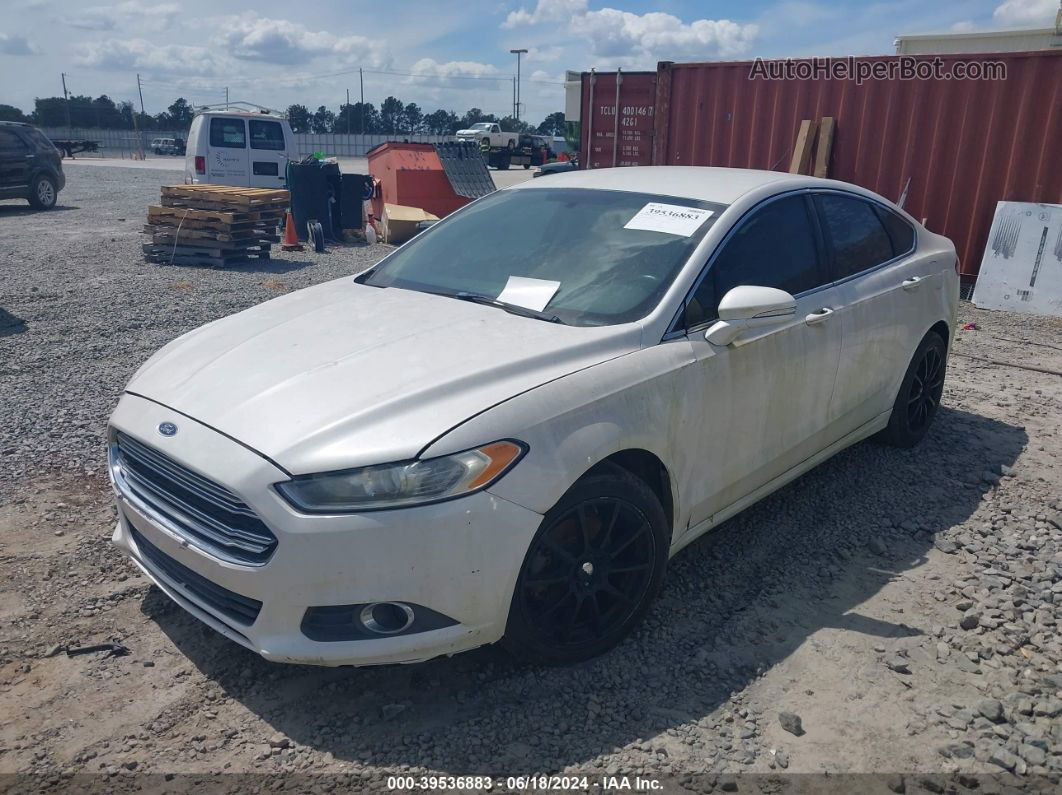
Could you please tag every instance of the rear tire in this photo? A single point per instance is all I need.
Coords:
(43, 192)
(591, 571)
(919, 396)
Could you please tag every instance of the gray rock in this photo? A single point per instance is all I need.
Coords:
(991, 709)
(970, 619)
(791, 723)
(388, 711)
(899, 665)
(998, 755)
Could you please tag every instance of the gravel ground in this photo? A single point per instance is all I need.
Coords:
(891, 613)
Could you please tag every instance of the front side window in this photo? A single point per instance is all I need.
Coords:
(855, 231)
(600, 256)
(266, 135)
(775, 247)
(229, 133)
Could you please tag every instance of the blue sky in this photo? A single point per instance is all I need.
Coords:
(453, 55)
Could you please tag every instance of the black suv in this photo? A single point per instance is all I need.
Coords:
(30, 165)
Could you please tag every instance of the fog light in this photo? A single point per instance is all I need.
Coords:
(386, 618)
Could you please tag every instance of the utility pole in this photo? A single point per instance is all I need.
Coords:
(517, 53)
(348, 111)
(361, 82)
(514, 96)
(140, 91)
(226, 97)
(66, 96)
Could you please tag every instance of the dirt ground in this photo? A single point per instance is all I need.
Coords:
(903, 604)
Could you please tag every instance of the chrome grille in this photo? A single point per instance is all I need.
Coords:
(208, 515)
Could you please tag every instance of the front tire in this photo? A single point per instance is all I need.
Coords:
(43, 192)
(591, 572)
(919, 396)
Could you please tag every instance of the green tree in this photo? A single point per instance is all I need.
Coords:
(11, 113)
(413, 118)
(511, 124)
(300, 118)
(441, 122)
(392, 115)
(474, 116)
(323, 120)
(180, 113)
(553, 124)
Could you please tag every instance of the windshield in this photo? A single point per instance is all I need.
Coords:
(588, 257)
(481, 126)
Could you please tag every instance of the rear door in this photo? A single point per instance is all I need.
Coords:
(887, 298)
(227, 162)
(268, 152)
(15, 157)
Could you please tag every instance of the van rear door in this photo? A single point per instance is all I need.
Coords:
(268, 153)
(227, 155)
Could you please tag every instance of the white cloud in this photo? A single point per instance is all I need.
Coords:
(131, 13)
(965, 26)
(165, 59)
(254, 38)
(453, 74)
(1026, 13)
(546, 11)
(17, 45)
(628, 39)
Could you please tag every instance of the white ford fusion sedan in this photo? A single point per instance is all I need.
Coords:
(505, 428)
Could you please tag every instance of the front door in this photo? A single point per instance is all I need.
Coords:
(761, 405)
(268, 153)
(227, 156)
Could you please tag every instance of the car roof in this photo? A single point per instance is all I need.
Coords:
(704, 183)
(245, 113)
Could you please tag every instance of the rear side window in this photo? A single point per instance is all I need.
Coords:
(228, 133)
(855, 231)
(266, 135)
(775, 247)
(11, 142)
(900, 232)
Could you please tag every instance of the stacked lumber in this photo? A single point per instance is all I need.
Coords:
(213, 224)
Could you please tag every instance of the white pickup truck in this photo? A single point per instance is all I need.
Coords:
(490, 132)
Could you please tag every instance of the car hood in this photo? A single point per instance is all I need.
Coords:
(343, 375)
(468, 132)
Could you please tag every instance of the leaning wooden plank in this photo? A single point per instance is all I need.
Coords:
(824, 147)
(802, 149)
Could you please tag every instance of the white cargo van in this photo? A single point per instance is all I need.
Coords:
(249, 148)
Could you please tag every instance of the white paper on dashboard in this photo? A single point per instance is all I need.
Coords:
(529, 293)
(672, 219)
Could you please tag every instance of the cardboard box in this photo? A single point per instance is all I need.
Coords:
(400, 222)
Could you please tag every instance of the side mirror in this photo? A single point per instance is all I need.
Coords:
(749, 307)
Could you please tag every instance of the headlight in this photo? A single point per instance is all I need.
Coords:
(403, 484)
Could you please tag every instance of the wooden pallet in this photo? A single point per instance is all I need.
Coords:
(196, 255)
(227, 217)
(234, 235)
(226, 196)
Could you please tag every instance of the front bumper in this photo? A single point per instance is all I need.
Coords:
(459, 558)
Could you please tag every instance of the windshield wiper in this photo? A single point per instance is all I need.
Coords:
(512, 309)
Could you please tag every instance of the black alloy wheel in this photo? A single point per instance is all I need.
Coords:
(920, 393)
(590, 572)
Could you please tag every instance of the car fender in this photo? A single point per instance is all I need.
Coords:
(633, 402)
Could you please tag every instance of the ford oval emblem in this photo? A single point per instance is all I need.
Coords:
(168, 429)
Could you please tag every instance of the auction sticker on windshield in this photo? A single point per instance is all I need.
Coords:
(672, 219)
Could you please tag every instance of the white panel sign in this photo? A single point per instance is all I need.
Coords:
(1021, 269)
(673, 219)
(528, 293)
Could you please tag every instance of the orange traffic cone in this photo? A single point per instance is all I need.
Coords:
(291, 240)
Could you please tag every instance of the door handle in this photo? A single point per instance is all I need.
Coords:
(913, 283)
(821, 316)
